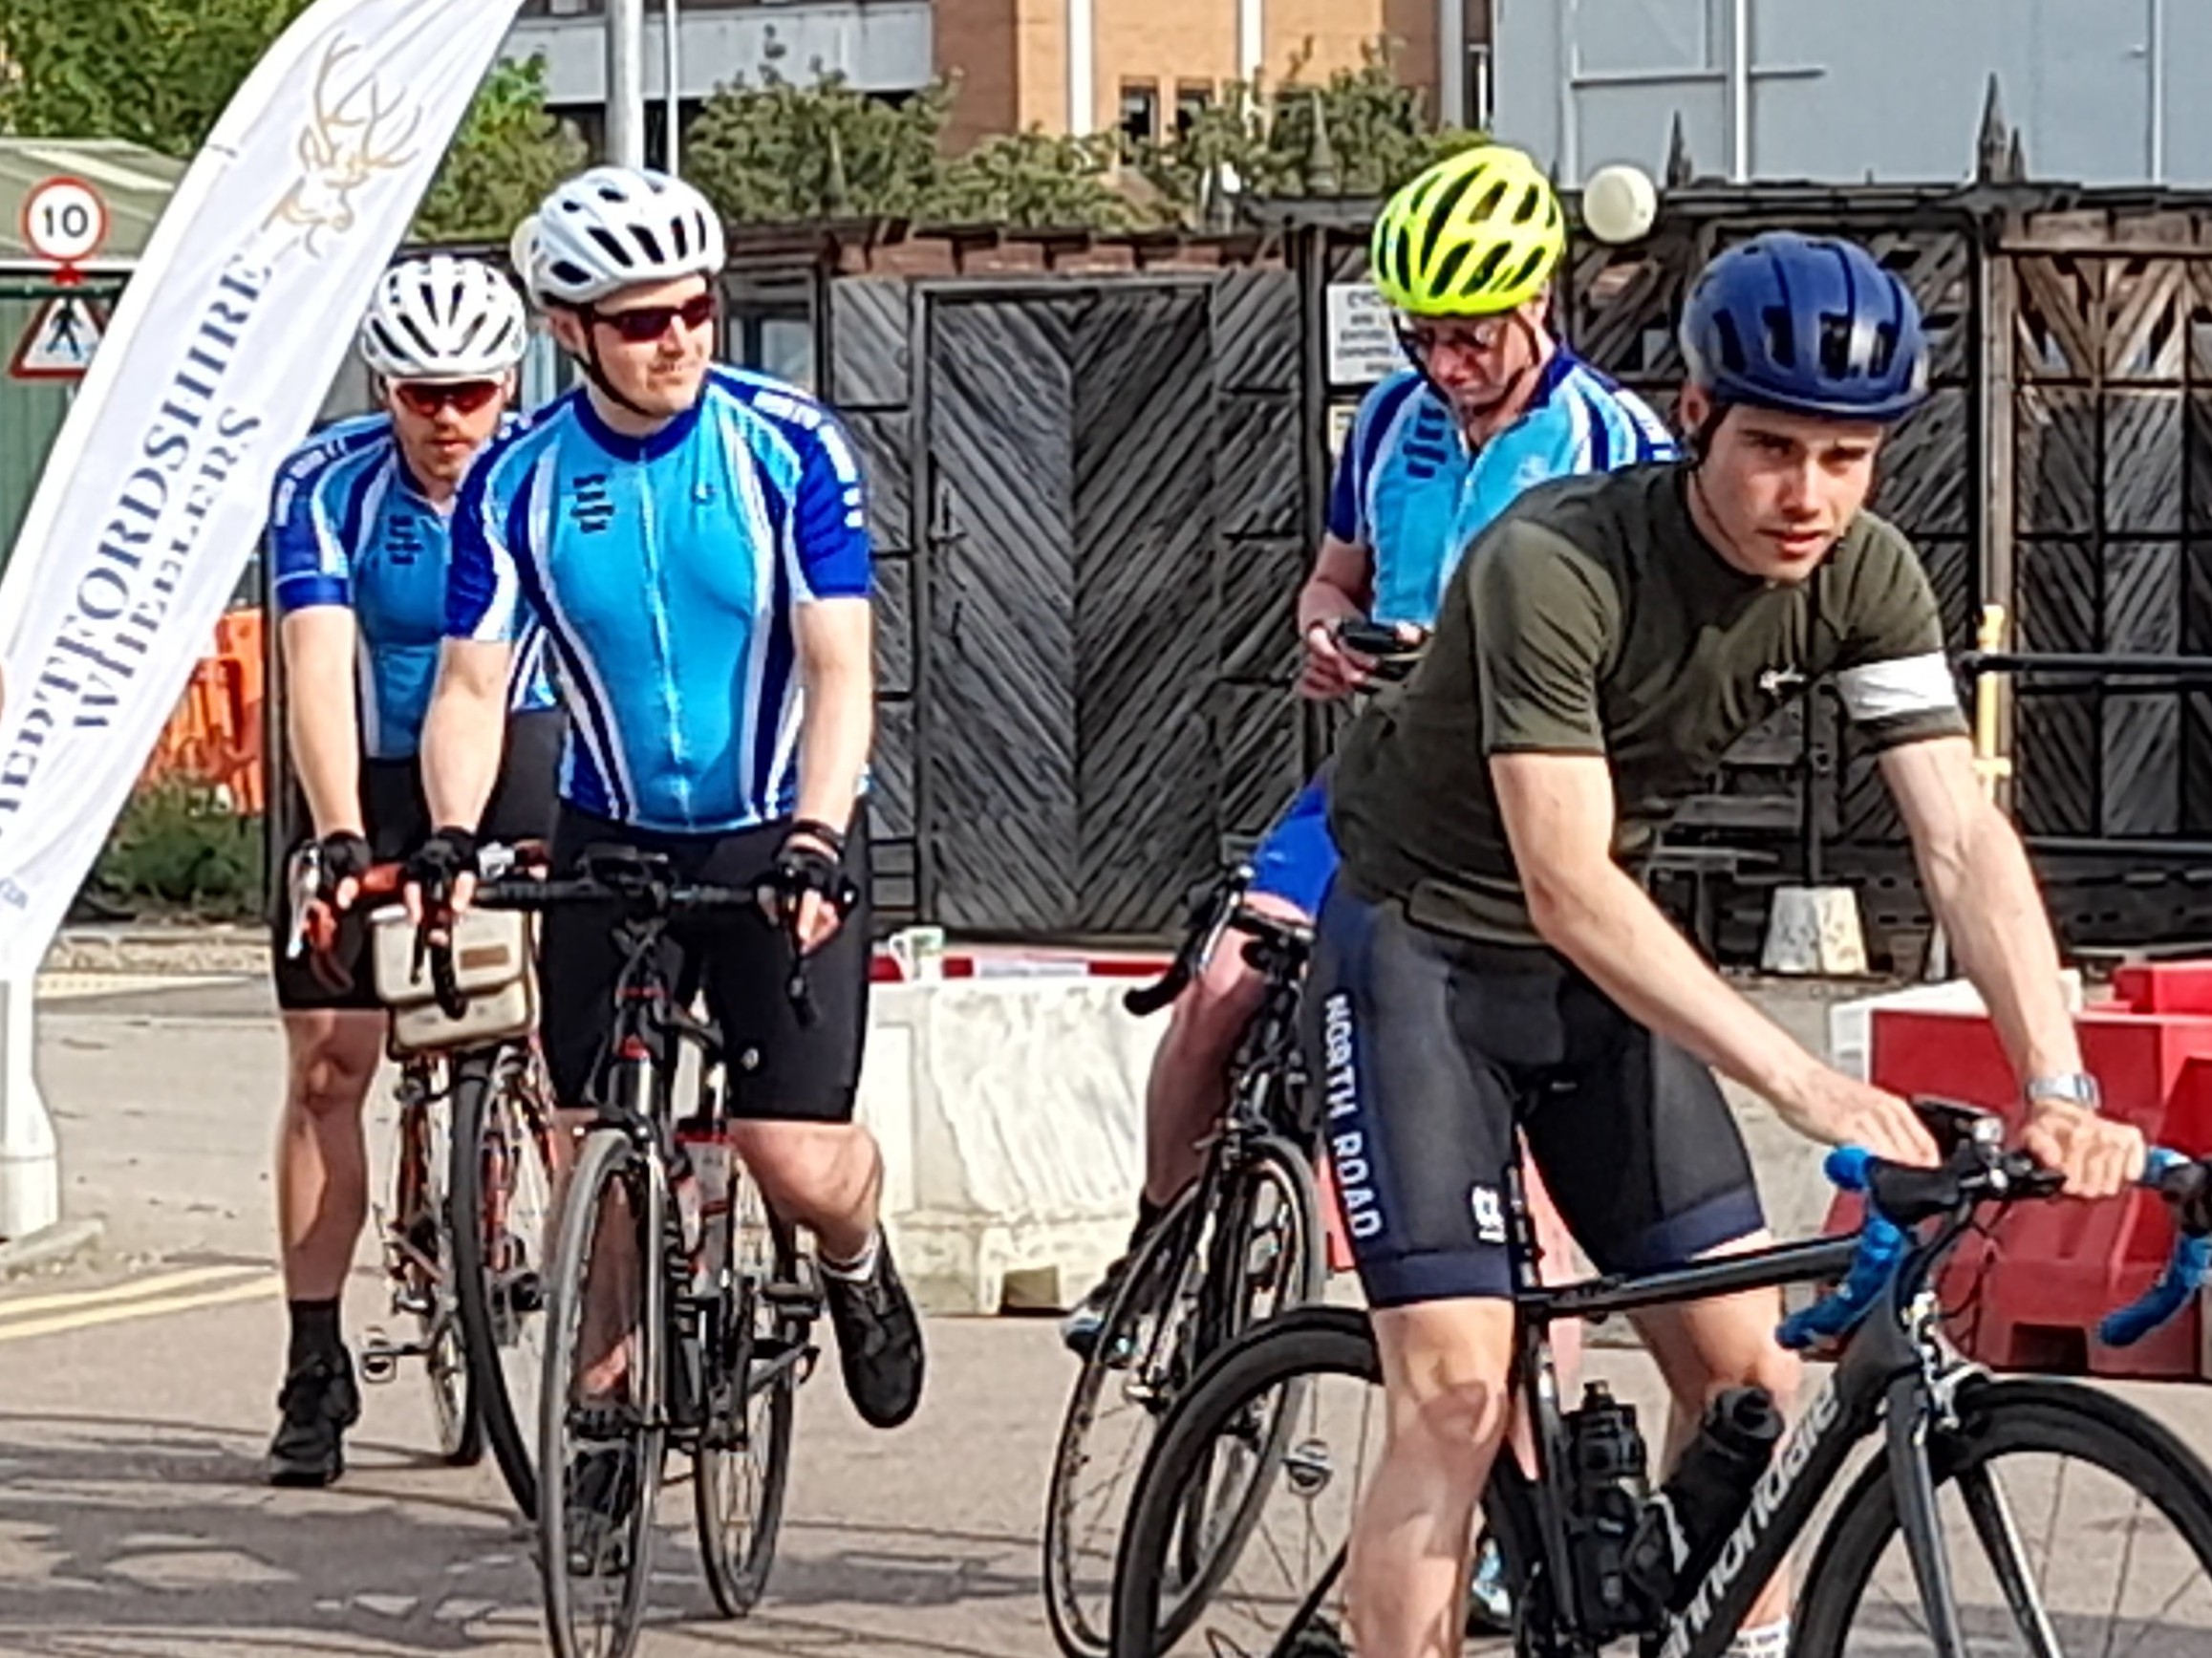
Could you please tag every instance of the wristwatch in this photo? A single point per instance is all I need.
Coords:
(2074, 1088)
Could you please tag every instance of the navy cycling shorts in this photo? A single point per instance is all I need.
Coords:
(1426, 1048)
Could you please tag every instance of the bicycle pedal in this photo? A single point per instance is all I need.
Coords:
(793, 1297)
(380, 1356)
(525, 1292)
(413, 1302)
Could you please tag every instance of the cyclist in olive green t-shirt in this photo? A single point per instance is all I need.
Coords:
(1483, 958)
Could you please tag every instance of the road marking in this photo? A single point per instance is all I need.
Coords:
(71, 986)
(130, 1289)
(86, 1317)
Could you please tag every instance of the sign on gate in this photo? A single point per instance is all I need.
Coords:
(1362, 340)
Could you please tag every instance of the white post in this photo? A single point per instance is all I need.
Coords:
(1082, 90)
(1251, 38)
(1451, 107)
(1740, 93)
(672, 80)
(30, 1169)
(625, 83)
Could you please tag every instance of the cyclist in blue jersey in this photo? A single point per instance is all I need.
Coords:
(694, 540)
(358, 548)
(1492, 404)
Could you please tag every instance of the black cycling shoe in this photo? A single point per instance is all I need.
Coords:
(1080, 1329)
(319, 1402)
(879, 1342)
(602, 1486)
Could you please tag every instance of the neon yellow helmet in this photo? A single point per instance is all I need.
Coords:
(1478, 233)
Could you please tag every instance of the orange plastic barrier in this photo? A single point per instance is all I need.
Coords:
(214, 736)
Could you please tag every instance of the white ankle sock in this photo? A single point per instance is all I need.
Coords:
(1767, 1641)
(856, 1271)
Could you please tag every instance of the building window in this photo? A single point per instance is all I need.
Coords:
(1140, 122)
(1192, 97)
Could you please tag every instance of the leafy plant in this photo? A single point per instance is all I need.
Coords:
(508, 152)
(178, 845)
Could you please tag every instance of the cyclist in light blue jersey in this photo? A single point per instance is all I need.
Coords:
(1491, 405)
(358, 550)
(694, 541)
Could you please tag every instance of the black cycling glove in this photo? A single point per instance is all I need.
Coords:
(341, 857)
(448, 854)
(803, 867)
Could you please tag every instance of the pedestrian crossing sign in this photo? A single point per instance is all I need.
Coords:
(61, 341)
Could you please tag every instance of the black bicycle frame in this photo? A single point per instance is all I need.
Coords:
(1880, 1365)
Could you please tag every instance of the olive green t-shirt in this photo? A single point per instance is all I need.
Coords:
(1592, 619)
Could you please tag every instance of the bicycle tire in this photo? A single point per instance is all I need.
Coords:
(511, 1430)
(738, 1579)
(1220, 1323)
(1079, 1629)
(607, 1156)
(1306, 1342)
(455, 1402)
(1146, 1280)
(1997, 1417)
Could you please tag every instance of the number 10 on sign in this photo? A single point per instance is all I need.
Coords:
(64, 219)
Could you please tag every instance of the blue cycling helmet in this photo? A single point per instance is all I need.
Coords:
(1809, 326)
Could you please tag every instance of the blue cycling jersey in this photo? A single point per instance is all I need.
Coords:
(1409, 489)
(348, 525)
(667, 569)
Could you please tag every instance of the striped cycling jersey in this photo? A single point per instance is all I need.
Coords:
(1408, 489)
(349, 526)
(667, 571)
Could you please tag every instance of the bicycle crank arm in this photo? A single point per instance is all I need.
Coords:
(380, 1356)
(767, 1369)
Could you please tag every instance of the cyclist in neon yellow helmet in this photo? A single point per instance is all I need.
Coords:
(1492, 404)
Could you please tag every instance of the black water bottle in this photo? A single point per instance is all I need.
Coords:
(1606, 1472)
(1710, 1488)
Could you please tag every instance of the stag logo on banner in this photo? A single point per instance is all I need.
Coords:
(353, 134)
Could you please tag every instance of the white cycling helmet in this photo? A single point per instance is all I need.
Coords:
(443, 318)
(523, 256)
(613, 228)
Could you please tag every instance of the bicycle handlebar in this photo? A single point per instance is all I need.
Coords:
(1210, 918)
(1900, 1198)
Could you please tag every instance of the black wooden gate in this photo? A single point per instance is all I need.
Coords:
(1092, 507)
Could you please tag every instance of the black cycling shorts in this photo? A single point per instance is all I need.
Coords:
(776, 1068)
(397, 819)
(1424, 1048)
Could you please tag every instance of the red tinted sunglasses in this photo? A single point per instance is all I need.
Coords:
(649, 322)
(463, 396)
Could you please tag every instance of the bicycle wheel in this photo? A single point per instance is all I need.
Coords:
(1267, 1257)
(2025, 1582)
(600, 1428)
(422, 1252)
(502, 1185)
(1273, 1587)
(743, 1463)
(1193, 1282)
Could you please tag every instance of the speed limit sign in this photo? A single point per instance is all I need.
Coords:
(64, 219)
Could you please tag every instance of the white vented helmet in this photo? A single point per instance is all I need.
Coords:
(523, 256)
(611, 227)
(443, 318)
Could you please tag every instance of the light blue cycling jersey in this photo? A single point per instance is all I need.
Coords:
(348, 525)
(1409, 489)
(666, 569)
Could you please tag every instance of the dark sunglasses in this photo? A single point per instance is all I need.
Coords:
(463, 396)
(649, 322)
